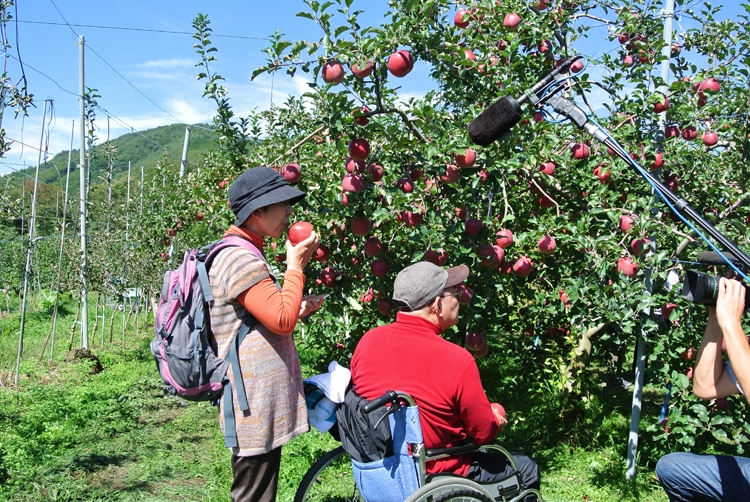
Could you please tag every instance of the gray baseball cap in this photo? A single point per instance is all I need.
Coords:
(418, 284)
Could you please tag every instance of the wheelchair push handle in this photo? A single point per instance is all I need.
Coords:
(376, 403)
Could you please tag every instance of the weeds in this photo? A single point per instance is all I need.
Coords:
(68, 434)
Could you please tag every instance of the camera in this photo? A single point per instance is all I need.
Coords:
(702, 288)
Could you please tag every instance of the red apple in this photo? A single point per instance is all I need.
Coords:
(322, 253)
(491, 256)
(362, 71)
(547, 245)
(626, 223)
(333, 72)
(363, 121)
(458, 19)
(628, 60)
(299, 232)
(671, 131)
(576, 66)
(658, 161)
(523, 266)
(687, 354)
(689, 133)
(223, 184)
(373, 246)
(580, 151)
(328, 277)
(376, 172)
(291, 173)
(474, 341)
(623, 38)
(498, 409)
(467, 159)
(511, 21)
(379, 268)
(638, 246)
(359, 149)
(385, 306)
(460, 212)
(361, 226)
(473, 226)
(602, 174)
(666, 312)
(405, 184)
(722, 404)
(505, 268)
(709, 85)
(353, 183)
(400, 63)
(689, 373)
(548, 168)
(661, 105)
(481, 352)
(415, 174)
(354, 166)
(675, 49)
(451, 174)
(710, 138)
(627, 267)
(504, 238)
(412, 219)
(439, 257)
(464, 294)
(171, 232)
(199, 216)
(164, 256)
(545, 202)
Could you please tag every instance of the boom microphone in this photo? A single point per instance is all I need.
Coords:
(502, 115)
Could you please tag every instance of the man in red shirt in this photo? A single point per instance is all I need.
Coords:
(410, 356)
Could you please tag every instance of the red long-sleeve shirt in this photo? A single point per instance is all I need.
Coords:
(410, 356)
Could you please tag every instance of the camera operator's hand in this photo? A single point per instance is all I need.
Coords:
(730, 304)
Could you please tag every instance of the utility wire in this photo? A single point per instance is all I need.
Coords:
(112, 67)
(143, 30)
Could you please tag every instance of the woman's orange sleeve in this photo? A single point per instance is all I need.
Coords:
(276, 310)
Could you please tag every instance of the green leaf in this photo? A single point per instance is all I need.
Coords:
(354, 303)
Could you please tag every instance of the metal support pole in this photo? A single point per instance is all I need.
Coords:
(62, 246)
(183, 162)
(82, 179)
(640, 360)
(29, 250)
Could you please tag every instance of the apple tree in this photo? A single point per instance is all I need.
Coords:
(569, 250)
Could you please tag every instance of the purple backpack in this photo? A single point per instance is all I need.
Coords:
(184, 346)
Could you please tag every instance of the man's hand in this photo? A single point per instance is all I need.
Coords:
(499, 412)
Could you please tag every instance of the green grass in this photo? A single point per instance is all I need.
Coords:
(67, 434)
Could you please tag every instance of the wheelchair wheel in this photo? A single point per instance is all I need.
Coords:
(329, 479)
(453, 489)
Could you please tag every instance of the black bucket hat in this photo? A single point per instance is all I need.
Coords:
(259, 187)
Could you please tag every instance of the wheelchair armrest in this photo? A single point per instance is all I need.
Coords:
(435, 453)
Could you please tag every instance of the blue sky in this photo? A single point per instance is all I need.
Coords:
(147, 78)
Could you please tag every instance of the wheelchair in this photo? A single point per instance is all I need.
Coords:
(402, 476)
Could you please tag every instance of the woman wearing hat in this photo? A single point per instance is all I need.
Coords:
(243, 285)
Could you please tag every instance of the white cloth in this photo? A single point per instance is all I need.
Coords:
(334, 383)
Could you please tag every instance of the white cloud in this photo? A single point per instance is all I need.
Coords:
(167, 63)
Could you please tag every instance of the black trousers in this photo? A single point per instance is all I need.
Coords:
(256, 478)
(493, 467)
